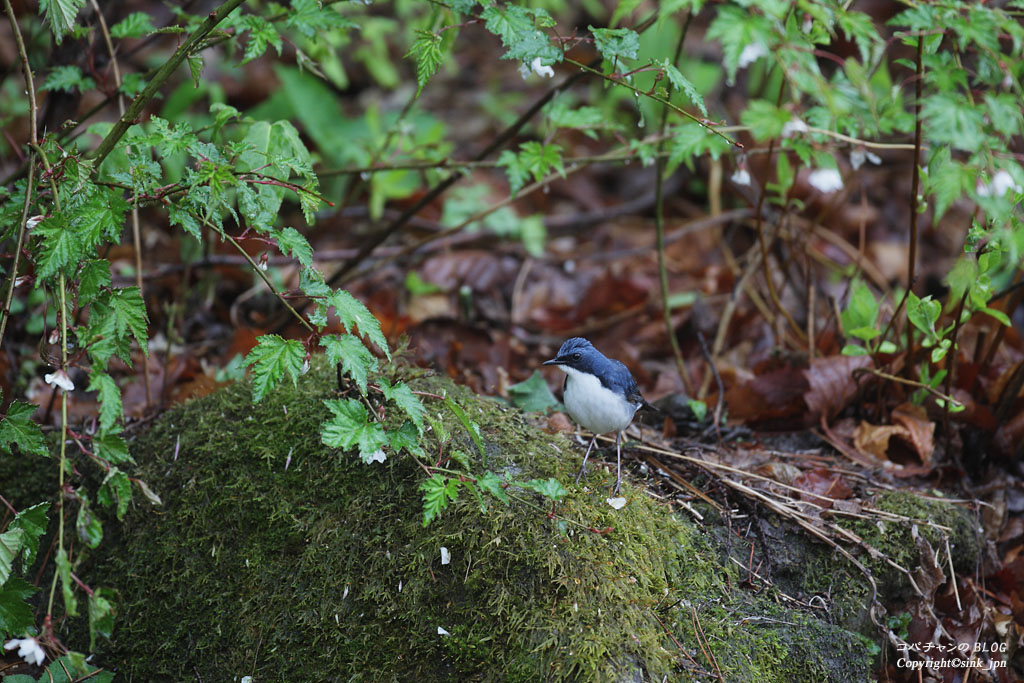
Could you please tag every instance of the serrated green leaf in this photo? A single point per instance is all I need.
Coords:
(616, 43)
(406, 437)
(764, 119)
(109, 398)
(59, 249)
(355, 316)
(402, 396)
(115, 489)
(195, 67)
(61, 15)
(471, 427)
(32, 521)
(127, 312)
(88, 525)
(11, 543)
(356, 360)
(437, 491)
(67, 78)
(533, 395)
(426, 50)
(93, 277)
(111, 446)
(101, 615)
(18, 428)
(517, 174)
(539, 159)
(271, 359)
(683, 85)
(66, 584)
(15, 613)
(291, 243)
(494, 485)
(135, 25)
(351, 426)
(261, 34)
(549, 488)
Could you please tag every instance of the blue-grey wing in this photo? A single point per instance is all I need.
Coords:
(627, 384)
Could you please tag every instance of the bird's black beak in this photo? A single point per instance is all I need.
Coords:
(553, 361)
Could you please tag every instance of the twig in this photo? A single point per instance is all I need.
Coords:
(659, 227)
(717, 415)
(158, 80)
(914, 188)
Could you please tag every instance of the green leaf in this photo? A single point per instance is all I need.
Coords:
(195, 67)
(683, 85)
(854, 350)
(101, 615)
(698, 408)
(494, 485)
(261, 34)
(60, 247)
(533, 235)
(406, 437)
(111, 446)
(514, 169)
(998, 315)
(549, 488)
(472, 428)
(426, 50)
(61, 15)
(402, 396)
(437, 491)
(109, 398)
(616, 43)
(764, 119)
(862, 311)
(11, 543)
(351, 426)
(135, 25)
(517, 28)
(66, 583)
(946, 180)
(533, 395)
(271, 359)
(127, 310)
(88, 525)
(18, 428)
(291, 243)
(93, 278)
(355, 316)
(116, 488)
(356, 360)
(924, 313)
(951, 119)
(15, 614)
(32, 522)
(539, 159)
(736, 28)
(67, 78)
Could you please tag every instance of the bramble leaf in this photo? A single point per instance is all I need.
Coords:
(356, 360)
(549, 488)
(135, 25)
(616, 43)
(437, 491)
(109, 398)
(355, 316)
(407, 401)
(18, 428)
(271, 359)
(683, 84)
(351, 426)
(67, 78)
(32, 521)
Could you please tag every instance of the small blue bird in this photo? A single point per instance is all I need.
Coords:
(599, 393)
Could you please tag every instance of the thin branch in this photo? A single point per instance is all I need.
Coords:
(158, 80)
(915, 186)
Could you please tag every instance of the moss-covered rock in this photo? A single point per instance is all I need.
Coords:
(276, 557)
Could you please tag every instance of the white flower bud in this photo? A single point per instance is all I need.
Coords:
(825, 180)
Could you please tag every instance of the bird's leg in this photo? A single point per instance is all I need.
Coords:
(618, 461)
(583, 469)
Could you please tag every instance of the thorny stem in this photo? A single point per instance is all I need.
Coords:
(704, 123)
(158, 80)
(659, 227)
(269, 284)
(914, 188)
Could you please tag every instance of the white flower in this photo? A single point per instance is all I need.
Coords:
(751, 53)
(377, 456)
(793, 126)
(807, 24)
(446, 557)
(740, 176)
(1001, 183)
(537, 68)
(28, 649)
(825, 180)
(617, 503)
(442, 632)
(60, 379)
(246, 679)
(33, 222)
(859, 154)
(305, 367)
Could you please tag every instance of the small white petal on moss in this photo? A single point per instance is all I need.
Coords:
(446, 557)
(617, 503)
(377, 456)
(540, 69)
(442, 632)
(825, 180)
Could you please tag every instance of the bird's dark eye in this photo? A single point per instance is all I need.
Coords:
(576, 356)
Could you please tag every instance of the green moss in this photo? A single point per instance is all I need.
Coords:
(324, 571)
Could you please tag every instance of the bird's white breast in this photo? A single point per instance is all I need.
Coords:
(594, 406)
